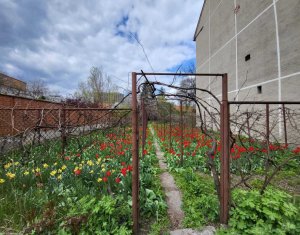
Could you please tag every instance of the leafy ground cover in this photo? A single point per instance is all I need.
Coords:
(85, 191)
(272, 212)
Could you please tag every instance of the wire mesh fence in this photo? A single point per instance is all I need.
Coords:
(23, 130)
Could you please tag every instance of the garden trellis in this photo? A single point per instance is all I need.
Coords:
(237, 144)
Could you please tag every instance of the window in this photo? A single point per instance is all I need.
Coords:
(259, 89)
(247, 57)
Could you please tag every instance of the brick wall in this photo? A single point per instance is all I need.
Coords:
(18, 115)
(12, 82)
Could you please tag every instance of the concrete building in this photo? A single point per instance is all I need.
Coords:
(257, 42)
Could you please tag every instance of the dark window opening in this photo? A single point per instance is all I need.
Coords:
(247, 57)
(259, 89)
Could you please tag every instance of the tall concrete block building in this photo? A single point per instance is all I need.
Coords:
(257, 42)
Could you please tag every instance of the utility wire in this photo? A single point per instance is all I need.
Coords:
(143, 49)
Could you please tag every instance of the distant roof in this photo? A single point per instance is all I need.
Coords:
(3, 75)
(12, 82)
(196, 31)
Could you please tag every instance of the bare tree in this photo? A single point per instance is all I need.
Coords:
(98, 88)
(37, 89)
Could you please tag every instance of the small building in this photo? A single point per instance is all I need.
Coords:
(9, 85)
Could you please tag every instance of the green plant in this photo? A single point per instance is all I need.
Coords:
(104, 215)
(200, 202)
(270, 213)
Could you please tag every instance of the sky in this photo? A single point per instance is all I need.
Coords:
(58, 41)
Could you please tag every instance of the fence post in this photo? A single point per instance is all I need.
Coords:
(248, 126)
(284, 124)
(204, 121)
(181, 134)
(170, 128)
(268, 126)
(63, 129)
(39, 118)
(135, 160)
(225, 145)
(164, 129)
(192, 123)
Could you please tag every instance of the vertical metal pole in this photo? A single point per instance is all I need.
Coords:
(268, 125)
(124, 130)
(181, 135)
(135, 164)
(284, 124)
(63, 129)
(170, 128)
(164, 129)
(225, 145)
(39, 117)
(248, 126)
(205, 128)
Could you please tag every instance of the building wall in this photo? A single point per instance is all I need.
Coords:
(266, 30)
(10, 82)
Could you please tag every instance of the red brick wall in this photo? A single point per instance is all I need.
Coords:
(13, 120)
(18, 114)
(12, 82)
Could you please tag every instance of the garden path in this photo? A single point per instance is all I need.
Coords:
(173, 197)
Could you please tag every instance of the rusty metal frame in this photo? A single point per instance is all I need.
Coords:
(225, 183)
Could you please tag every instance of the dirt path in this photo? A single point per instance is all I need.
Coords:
(173, 194)
(173, 197)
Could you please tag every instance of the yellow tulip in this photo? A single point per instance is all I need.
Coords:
(10, 175)
(8, 165)
(99, 180)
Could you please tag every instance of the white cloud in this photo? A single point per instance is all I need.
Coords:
(77, 36)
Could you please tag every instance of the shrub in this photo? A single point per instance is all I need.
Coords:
(270, 213)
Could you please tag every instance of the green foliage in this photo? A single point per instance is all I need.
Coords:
(200, 202)
(42, 193)
(270, 213)
(106, 215)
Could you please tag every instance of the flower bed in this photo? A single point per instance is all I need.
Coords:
(86, 189)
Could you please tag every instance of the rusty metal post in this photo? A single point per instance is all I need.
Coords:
(170, 128)
(135, 160)
(204, 120)
(181, 134)
(248, 125)
(38, 125)
(284, 124)
(63, 129)
(144, 128)
(225, 151)
(164, 129)
(268, 125)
